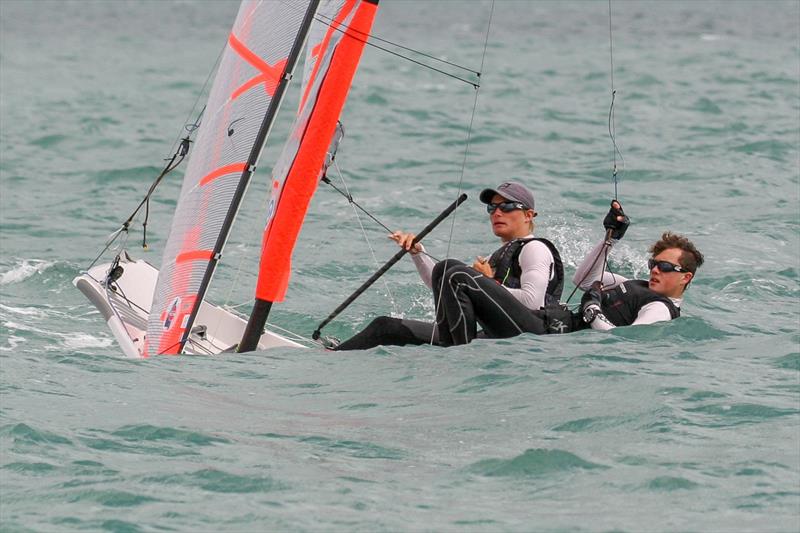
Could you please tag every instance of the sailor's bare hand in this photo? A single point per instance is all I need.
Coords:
(405, 241)
(482, 265)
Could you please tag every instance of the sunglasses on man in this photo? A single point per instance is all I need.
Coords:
(664, 266)
(505, 207)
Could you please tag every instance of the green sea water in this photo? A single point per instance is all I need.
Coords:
(692, 425)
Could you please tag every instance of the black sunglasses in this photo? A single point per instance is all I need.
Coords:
(664, 266)
(505, 207)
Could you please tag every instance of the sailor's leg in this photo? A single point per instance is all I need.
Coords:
(470, 298)
(388, 331)
(443, 312)
(423, 332)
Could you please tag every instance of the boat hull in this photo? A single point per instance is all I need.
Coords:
(125, 306)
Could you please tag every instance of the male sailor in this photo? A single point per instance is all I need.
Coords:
(498, 293)
(612, 300)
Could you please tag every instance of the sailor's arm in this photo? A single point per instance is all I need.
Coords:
(648, 314)
(536, 263)
(422, 261)
(652, 313)
(424, 265)
(591, 268)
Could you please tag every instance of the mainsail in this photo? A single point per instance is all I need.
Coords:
(335, 45)
(262, 49)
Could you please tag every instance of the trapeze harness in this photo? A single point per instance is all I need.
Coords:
(507, 270)
(621, 304)
(465, 299)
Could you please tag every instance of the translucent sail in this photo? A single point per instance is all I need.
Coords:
(263, 44)
(336, 42)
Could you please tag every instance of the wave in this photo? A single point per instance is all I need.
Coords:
(72, 340)
(533, 462)
(24, 270)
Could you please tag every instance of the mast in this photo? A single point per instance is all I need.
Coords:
(252, 162)
(330, 68)
(260, 54)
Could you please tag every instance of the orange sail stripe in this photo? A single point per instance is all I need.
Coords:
(301, 182)
(270, 84)
(194, 255)
(270, 74)
(223, 171)
(320, 48)
(178, 307)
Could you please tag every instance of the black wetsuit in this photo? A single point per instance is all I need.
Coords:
(465, 298)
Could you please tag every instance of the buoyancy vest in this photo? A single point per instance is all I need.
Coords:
(621, 304)
(507, 271)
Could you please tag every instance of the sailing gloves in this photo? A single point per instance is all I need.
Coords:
(616, 221)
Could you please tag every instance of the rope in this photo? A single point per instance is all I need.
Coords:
(612, 130)
(178, 151)
(420, 63)
(408, 49)
(612, 133)
(364, 232)
(330, 23)
(358, 206)
(463, 168)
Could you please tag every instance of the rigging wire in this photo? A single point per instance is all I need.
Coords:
(179, 153)
(331, 23)
(612, 132)
(406, 48)
(173, 163)
(350, 199)
(407, 58)
(463, 165)
(358, 206)
(363, 230)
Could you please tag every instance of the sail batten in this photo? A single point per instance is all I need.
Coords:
(262, 48)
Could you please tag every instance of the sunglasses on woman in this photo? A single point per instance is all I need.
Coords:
(505, 207)
(664, 266)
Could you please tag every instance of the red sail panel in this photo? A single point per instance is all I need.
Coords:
(332, 74)
(262, 38)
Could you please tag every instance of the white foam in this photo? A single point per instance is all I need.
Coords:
(82, 340)
(24, 270)
(710, 37)
(27, 311)
(69, 340)
(13, 342)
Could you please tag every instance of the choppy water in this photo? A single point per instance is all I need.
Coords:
(688, 426)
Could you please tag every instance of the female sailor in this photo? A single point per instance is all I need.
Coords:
(497, 293)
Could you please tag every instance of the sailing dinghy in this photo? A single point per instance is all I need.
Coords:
(151, 311)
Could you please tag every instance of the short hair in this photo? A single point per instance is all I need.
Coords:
(690, 259)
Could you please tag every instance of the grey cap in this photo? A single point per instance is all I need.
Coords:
(511, 190)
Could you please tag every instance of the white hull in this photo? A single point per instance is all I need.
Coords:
(126, 305)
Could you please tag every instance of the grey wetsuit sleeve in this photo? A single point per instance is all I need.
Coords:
(591, 270)
(424, 266)
(536, 263)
